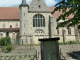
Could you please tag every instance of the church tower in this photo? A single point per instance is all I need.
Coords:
(23, 21)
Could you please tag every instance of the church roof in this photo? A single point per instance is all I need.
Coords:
(64, 25)
(57, 13)
(13, 13)
(9, 13)
(38, 6)
(9, 29)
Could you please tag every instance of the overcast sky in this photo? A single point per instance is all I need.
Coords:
(16, 3)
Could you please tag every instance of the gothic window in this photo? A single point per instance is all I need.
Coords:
(58, 31)
(69, 31)
(38, 21)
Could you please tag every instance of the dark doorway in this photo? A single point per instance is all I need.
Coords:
(7, 34)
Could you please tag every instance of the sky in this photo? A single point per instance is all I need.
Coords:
(16, 3)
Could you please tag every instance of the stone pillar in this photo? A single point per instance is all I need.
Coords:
(64, 35)
(53, 25)
(51, 29)
(0, 35)
(76, 34)
(33, 39)
(13, 38)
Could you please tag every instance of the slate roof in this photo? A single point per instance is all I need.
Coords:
(13, 13)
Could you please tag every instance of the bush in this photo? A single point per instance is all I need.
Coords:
(8, 39)
(4, 41)
(8, 47)
(69, 42)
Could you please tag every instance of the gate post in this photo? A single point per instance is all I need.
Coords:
(50, 49)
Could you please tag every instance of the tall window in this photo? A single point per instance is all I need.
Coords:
(7, 34)
(69, 31)
(38, 21)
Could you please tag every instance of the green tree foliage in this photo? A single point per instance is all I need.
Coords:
(74, 8)
(4, 41)
(8, 47)
(8, 39)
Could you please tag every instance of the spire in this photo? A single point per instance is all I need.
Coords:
(24, 3)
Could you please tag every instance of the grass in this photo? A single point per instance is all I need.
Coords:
(31, 45)
(68, 42)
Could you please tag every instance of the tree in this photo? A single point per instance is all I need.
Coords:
(74, 8)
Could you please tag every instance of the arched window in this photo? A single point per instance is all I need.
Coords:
(69, 31)
(38, 21)
(10, 26)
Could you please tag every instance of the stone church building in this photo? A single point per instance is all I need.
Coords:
(28, 23)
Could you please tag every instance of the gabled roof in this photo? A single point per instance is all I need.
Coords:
(38, 6)
(57, 13)
(64, 25)
(13, 13)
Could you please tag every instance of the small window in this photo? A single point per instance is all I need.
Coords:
(69, 31)
(39, 6)
(7, 34)
(10, 26)
(16, 25)
(3, 25)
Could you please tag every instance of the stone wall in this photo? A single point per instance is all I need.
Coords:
(15, 24)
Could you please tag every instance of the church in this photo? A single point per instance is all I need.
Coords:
(28, 23)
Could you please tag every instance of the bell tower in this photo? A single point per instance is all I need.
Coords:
(23, 21)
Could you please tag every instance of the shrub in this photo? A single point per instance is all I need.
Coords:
(8, 47)
(4, 41)
(8, 39)
(69, 42)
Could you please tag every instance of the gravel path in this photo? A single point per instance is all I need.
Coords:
(66, 50)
